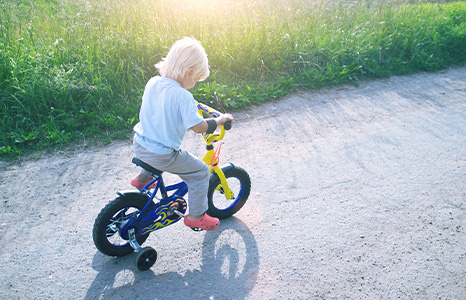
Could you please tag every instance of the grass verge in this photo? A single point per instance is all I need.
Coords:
(74, 71)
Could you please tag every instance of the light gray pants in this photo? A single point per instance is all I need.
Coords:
(193, 171)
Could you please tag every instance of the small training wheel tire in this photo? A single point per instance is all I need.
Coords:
(145, 258)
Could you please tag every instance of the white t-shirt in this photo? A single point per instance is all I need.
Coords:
(167, 112)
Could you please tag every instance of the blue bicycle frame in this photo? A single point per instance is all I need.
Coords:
(155, 217)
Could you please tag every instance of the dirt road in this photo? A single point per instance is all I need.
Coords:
(357, 193)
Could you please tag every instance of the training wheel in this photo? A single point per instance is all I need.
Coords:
(145, 258)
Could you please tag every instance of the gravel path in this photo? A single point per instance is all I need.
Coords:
(358, 193)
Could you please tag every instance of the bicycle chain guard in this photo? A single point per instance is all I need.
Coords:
(164, 218)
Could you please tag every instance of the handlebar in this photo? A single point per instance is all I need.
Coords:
(202, 108)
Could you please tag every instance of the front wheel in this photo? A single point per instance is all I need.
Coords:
(240, 185)
(107, 224)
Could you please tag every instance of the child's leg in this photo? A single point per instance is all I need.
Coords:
(195, 174)
(140, 180)
(193, 171)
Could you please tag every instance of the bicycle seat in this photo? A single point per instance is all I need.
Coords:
(146, 167)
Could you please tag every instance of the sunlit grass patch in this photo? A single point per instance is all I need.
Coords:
(76, 70)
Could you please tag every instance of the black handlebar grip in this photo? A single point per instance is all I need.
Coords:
(227, 125)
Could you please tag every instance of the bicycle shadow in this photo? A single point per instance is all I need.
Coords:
(224, 272)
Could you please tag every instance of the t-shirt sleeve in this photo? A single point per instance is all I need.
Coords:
(189, 112)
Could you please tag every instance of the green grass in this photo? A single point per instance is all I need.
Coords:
(74, 71)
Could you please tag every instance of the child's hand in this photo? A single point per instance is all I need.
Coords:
(204, 125)
(224, 118)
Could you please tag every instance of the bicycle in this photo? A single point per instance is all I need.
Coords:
(125, 223)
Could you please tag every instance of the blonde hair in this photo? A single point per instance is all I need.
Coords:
(185, 54)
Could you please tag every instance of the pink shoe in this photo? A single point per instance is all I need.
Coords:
(139, 184)
(206, 222)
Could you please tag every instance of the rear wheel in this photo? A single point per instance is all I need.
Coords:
(106, 226)
(239, 183)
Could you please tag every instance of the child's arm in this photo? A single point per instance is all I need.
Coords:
(204, 126)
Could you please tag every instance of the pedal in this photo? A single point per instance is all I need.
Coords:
(178, 213)
(196, 229)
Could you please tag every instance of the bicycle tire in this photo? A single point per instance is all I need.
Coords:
(112, 215)
(240, 184)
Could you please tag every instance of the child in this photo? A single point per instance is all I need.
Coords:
(168, 110)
